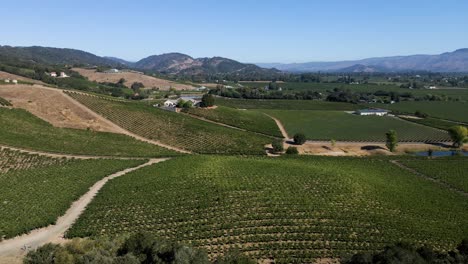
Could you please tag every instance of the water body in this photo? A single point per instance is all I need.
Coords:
(442, 153)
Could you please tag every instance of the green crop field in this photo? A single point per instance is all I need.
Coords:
(455, 111)
(434, 122)
(289, 209)
(36, 190)
(245, 119)
(327, 125)
(284, 104)
(19, 128)
(176, 129)
(452, 172)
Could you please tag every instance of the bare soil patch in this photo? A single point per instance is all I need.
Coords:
(6, 75)
(131, 77)
(53, 106)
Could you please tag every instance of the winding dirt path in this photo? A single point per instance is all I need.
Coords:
(12, 250)
(280, 126)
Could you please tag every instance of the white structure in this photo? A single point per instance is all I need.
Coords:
(112, 71)
(53, 74)
(7, 80)
(432, 87)
(368, 112)
(171, 103)
(15, 81)
(63, 75)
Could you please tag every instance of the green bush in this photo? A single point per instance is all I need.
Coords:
(277, 146)
(292, 151)
(299, 139)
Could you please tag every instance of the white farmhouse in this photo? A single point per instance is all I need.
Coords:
(53, 74)
(171, 103)
(368, 112)
(63, 75)
(15, 81)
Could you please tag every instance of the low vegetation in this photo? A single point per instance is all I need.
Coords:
(36, 190)
(432, 122)
(291, 209)
(248, 120)
(452, 172)
(176, 129)
(342, 126)
(284, 104)
(19, 128)
(4, 102)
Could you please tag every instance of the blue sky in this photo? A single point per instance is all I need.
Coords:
(248, 31)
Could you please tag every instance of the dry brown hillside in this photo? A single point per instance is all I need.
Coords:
(53, 106)
(6, 75)
(130, 78)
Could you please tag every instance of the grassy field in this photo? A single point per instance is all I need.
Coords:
(176, 129)
(36, 190)
(284, 104)
(327, 125)
(290, 209)
(455, 111)
(245, 119)
(19, 128)
(453, 172)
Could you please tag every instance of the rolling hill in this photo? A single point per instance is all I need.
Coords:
(456, 61)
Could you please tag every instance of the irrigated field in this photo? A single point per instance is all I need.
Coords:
(176, 129)
(289, 209)
(285, 104)
(36, 190)
(21, 129)
(455, 111)
(245, 119)
(452, 172)
(342, 126)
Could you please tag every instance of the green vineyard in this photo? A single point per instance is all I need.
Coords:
(284, 104)
(293, 210)
(36, 190)
(342, 126)
(176, 129)
(20, 128)
(248, 120)
(452, 172)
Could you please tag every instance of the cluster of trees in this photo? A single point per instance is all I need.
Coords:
(262, 93)
(404, 253)
(141, 248)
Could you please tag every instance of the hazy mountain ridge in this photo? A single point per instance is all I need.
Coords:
(456, 61)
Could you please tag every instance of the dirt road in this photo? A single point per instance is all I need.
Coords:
(280, 126)
(14, 249)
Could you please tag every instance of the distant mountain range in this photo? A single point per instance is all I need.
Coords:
(456, 61)
(171, 63)
(178, 63)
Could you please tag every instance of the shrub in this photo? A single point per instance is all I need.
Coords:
(207, 100)
(292, 151)
(299, 139)
(277, 146)
(392, 140)
(459, 135)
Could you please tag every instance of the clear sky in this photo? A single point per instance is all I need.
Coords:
(245, 30)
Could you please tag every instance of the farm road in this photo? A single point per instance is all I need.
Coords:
(12, 250)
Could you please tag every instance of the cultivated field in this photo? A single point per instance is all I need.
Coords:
(176, 129)
(452, 172)
(287, 209)
(342, 126)
(36, 190)
(284, 104)
(248, 120)
(131, 77)
(455, 111)
(53, 106)
(21, 129)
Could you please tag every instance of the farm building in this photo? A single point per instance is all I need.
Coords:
(195, 101)
(7, 80)
(63, 75)
(53, 74)
(112, 71)
(171, 103)
(376, 112)
(15, 81)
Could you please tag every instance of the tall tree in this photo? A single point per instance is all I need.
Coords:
(459, 135)
(392, 140)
